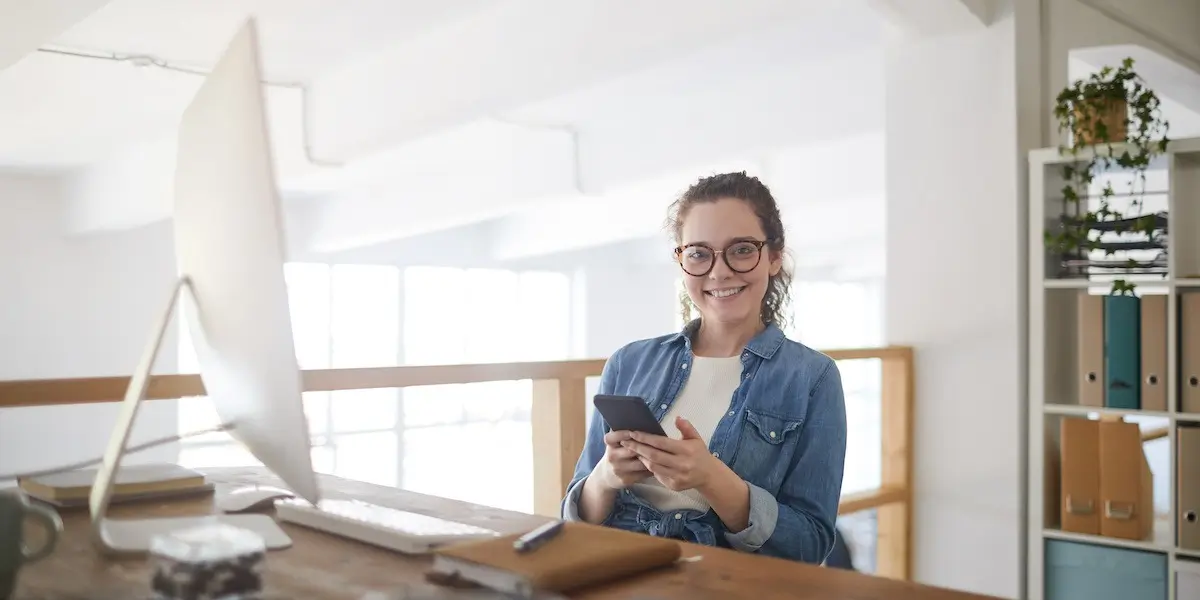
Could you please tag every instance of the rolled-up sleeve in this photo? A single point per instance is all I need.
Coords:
(798, 523)
(570, 507)
(593, 446)
(764, 512)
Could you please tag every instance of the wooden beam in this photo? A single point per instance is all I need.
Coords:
(876, 498)
(558, 422)
(894, 547)
(92, 390)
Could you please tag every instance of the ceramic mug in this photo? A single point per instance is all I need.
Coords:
(15, 510)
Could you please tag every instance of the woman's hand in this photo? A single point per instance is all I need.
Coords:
(620, 467)
(679, 465)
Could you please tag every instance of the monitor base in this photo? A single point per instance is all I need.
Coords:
(133, 536)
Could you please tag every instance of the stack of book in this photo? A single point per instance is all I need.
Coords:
(134, 482)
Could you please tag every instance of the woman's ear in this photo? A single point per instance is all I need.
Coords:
(776, 263)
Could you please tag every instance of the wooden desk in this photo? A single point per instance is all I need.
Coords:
(325, 567)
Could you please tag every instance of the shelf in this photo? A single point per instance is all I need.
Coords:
(1071, 341)
(1075, 410)
(1101, 286)
(1052, 156)
(1159, 543)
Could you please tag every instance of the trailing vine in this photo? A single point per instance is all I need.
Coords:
(1113, 120)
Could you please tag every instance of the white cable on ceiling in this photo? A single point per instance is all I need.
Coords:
(146, 60)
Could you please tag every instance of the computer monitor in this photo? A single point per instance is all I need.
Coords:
(230, 251)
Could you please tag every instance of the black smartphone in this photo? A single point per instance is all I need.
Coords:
(627, 413)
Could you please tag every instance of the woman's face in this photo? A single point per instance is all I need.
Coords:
(727, 235)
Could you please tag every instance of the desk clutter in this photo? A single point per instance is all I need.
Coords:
(218, 560)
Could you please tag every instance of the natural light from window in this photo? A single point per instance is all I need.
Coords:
(367, 315)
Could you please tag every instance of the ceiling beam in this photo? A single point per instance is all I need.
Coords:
(619, 149)
(136, 186)
(935, 17)
(826, 191)
(511, 54)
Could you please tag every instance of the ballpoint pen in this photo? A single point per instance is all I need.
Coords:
(534, 539)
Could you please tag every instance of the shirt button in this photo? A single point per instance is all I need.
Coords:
(663, 406)
(717, 454)
(678, 516)
(683, 366)
(772, 434)
(731, 413)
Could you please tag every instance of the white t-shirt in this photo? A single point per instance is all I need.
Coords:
(704, 399)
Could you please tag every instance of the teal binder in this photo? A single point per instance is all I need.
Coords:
(1122, 352)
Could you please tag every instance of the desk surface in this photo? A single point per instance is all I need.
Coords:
(325, 567)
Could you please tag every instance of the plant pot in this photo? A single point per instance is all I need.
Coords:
(1112, 113)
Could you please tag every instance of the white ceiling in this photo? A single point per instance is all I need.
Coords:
(300, 38)
(64, 111)
(691, 83)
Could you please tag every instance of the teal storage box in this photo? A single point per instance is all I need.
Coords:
(1079, 571)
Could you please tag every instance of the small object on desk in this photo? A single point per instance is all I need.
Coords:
(584, 555)
(538, 537)
(250, 499)
(134, 482)
(206, 563)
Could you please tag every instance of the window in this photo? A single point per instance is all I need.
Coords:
(342, 316)
(480, 431)
(362, 316)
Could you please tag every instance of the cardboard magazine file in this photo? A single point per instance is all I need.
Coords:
(1126, 483)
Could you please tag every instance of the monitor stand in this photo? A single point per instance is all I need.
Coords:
(133, 535)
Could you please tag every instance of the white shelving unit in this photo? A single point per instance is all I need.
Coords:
(1053, 371)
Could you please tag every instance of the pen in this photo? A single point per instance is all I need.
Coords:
(534, 539)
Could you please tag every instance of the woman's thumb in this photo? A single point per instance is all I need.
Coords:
(686, 429)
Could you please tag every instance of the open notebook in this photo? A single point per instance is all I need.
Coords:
(581, 555)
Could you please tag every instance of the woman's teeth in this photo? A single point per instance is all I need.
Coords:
(726, 292)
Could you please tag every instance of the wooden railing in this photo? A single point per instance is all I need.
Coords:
(558, 416)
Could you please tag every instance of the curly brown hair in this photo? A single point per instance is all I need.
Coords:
(755, 193)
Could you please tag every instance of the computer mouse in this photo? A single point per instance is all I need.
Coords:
(250, 498)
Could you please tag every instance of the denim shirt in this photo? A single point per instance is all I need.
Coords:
(784, 433)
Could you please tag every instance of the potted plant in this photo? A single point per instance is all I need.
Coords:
(1111, 119)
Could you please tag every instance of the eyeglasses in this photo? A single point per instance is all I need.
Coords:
(698, 260)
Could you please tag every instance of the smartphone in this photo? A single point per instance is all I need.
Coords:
(627, 413)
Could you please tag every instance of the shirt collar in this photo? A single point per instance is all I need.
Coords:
(764, 344)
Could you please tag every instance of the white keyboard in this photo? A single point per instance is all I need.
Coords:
(399, 530)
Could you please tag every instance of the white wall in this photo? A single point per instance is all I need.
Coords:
(952, 234)
(75, 307)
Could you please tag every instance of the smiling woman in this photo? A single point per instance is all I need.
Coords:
(756, 422)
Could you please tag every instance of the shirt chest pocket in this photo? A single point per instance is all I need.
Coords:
(765, 448)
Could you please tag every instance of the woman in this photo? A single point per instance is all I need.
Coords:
(756, 422)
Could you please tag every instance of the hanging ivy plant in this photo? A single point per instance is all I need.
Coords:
(1113, 120)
